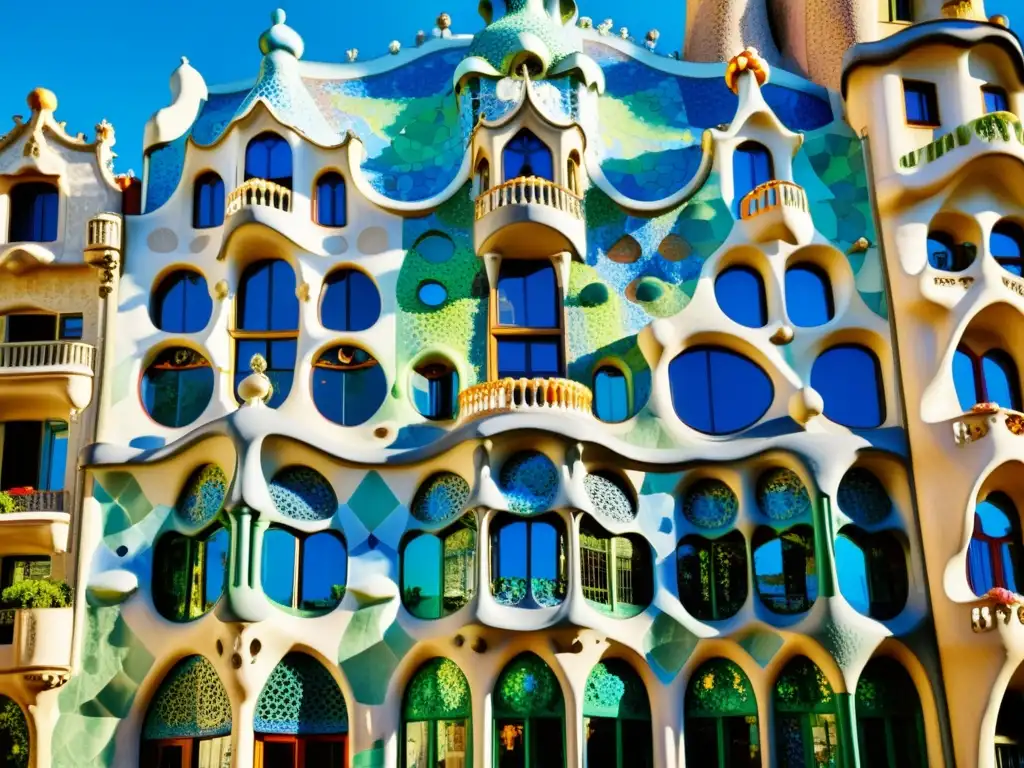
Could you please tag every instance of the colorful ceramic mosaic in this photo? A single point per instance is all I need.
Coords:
(440, 498)
(302, 493)
(710, 503)
(609, 499)
(863, 498)
(191, 703)
(614, 689)
(528, 688)
(203, 495)
(781, 495)
(300, 697)
(529, 481)
(438, 691)
(719, 688)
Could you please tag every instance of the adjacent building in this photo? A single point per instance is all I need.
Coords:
(528, 399)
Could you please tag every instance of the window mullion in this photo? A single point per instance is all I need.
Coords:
(297, 574)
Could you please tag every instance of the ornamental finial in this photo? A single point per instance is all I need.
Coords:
(747, 61)
(41, 99)
(281, 37)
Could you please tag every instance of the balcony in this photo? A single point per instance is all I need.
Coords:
(259, 193)
(36, 639)
(39, 527)
(530, 217)
(1001, 611)
(45, 379)
(561, 396)
(777, 210)
(994, 128)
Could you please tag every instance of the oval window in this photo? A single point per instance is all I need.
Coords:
(432, 293)
(435, 247)
(808, 296)
(181, 303)
(349, 385)
(177, 387)
(350, 301)
(849, 380)
(740, 294)
(717, 391)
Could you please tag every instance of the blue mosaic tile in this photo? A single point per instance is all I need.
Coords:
(781, 495)
(529, 481)
(302, 493)
(710, 503)
(441, 497)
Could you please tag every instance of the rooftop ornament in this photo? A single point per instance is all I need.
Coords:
(444, 26)
(961, 9)
(42, 100)
(747, 61)
(651, 40)
(1000, 20)
(256, 389)
(281, 37)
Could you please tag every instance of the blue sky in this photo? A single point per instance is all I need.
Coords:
(114, 62)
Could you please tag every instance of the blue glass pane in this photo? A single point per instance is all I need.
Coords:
(177, 387)
(1001, 383)
(1004, 243)
(808, 296)
(980, 571)
(182, 303)
(528, 295)
(740, 294)
(215, 569)
(849, 380)
(34, 208)
(853, 575)
(529, 359)
(330, 200)
(994, 521)
(964, 381)
(208, 201)
(432, 293)
(324, 571)
(349, 386)
(269, 157)
(278, 567)
(921, 103)
(718, 391)
(350, 301)
(421, 577)
(611, 395)
(266, 298)
(58, 458)
(526, 155)
(995, 100)
(512, 551)
(940, 253)
(751, 167)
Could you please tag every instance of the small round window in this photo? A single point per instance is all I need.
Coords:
(349, 385)
(432, 293)
(435, 247)
(177, 386)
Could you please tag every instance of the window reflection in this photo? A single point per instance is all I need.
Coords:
(615, 571)
(189, 573)
(993, 557)
(526, 155)
(1007, 246)
(528, 563)
(306, 572)
(785, 569)
(713, 575)
(872, 572)
(439, 571)
(267, 323)
(528, 300)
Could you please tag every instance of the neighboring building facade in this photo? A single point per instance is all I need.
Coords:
(528, 399)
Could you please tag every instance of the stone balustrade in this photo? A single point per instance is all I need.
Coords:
(259, 192)
(773, 194)
(530, 190)
(525, 395)
(18, 357)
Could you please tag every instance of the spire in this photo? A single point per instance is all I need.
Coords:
(281, 37)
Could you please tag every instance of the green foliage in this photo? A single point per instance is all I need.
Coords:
(37, 593)
(12, 723)
(9, 504)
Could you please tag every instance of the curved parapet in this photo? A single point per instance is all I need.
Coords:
(188, 92)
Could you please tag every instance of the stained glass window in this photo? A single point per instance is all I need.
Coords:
(616, 718)
(721, 718)
(890, 727)
(713, 575)
(529, 715)
(436, 715)
(806, 728)
(439, 570)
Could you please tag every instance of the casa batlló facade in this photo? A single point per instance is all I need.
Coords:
(527, 399)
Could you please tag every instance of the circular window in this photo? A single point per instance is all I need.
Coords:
(349, 385)
(863, 498)
(441, 497)
(529, 481)
(177, 386)
(350, 301)
(717, 391)
(432, 293)
(710, 503)
(781, 494)
(302, 493)
(181, 303)
(435, 247)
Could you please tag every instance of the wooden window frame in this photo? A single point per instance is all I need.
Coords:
(498, 332)
(432, 723)
(996, 90)
(932, 94)
(300, 538)
(298, 742)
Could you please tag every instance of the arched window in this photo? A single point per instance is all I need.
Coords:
(525, 155)
(1007, 246)
(611, 394)
(439, 571)
(437, 713)
(721, 718)
(435, 390)
(349, 301)
(616, 718)
(189, 573)
(946, 254)
(740, 294)
(208, 201)
(526, 321)
(993, 557)
(301, 719)
(849, 380)
(616, 571)
(751, 167)
(1009, 742)
(188, 719)
(349, 385)
(808, 296)
(34, 209)
(181, 303)
(267, 323)
(806, 729)
(483, 176)
(988, 378)
(872, 572)
(717, 391)
(14, 738)
(712, 575)
(784, 569)
(331, 210)
(269, 157)
(304, 572)
(528, 562)
(890, 728)
(177, 386)
(572, 173)
(529, 715)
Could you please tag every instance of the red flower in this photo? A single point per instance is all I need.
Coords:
(1003, 596)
